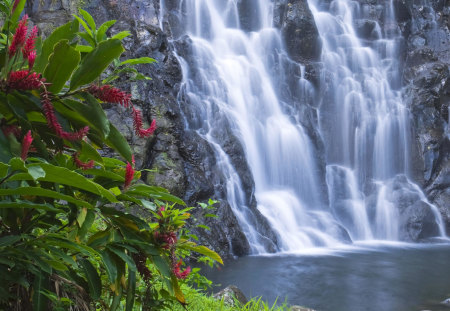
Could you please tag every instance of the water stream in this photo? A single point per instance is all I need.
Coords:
(361, 120)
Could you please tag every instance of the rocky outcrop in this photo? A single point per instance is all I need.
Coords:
(230, 295)
(298, 29)
(417, 219)
(425, 26)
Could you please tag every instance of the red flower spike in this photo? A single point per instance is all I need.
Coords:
(53, 123)
(29, 44)
(129, 175)
(166, 239)
(138, 125)
(24, 80)
(19, 37)
(81, 164)
(110, 94)
(26, 143)
(177, 271)
(31, 59)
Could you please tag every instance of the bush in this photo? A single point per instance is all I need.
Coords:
(67, 237)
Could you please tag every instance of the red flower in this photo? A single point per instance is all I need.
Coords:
(31, 59)
(129, 175)
(19, 37)
(110, 94)
(26, 143)
(29, 44)
(140, 261)
(138, 125)
(161, 209)
(53, 123)
(177, 271)
(24, 80)
(81, 164)
(167, 239)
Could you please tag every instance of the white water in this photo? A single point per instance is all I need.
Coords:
(229, 79)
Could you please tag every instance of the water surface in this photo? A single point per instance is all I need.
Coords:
(369, 277)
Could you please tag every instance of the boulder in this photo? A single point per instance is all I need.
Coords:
(298, 29)
(230, 294)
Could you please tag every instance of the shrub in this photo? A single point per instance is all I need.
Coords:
(68, 239)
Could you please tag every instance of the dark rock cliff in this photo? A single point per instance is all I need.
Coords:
(426, 28)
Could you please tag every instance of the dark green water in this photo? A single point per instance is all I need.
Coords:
(400, 277)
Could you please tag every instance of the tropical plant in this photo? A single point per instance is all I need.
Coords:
(68, 236)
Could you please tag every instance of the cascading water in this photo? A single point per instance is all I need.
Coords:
(228, 76)
(364, 122)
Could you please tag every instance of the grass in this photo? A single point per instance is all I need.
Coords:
(200, 301)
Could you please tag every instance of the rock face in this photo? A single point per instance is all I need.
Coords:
(425, 26)
(298, 29)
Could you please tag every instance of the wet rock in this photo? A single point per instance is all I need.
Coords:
(417, 219)
(446, 302)
(298, 30)
(230, 294)
(366, 29)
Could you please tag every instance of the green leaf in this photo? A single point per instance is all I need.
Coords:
(101, 33)
(83, 23)
(57, 265)
(19, 8)
(121, 253)
(202, 250)
(9, 239)
(39, 300)
(3, 169)
(56, 240)
(67, 31)
(84, 113)
(116, 141)
(84, 48)
(64, 176)
(89, 20)
(37, 191)
(131, 290)
(61, 63)
(162, 265)
(4, 8)
(96, 62)
(148, 248)
(87, 224)
(88, 152)
(17, 164)
(81, 216)
(26, 204)
(88, 38)
(154, 192)
(36, 172)
(110, 265)
(177, 291)
(121, 35)
(135, 61)
(94, 282)
(99, 239)
(116, 302)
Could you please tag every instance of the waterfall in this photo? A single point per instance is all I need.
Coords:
(229, 78)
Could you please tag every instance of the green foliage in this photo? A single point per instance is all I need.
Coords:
(68, 237)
